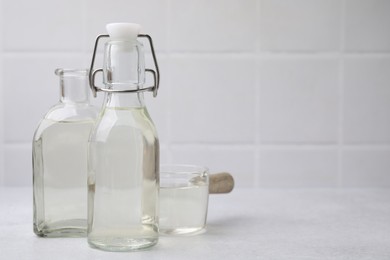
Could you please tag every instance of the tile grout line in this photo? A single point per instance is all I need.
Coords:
(256, 167)
(340, 164)
(169, 80)
(214, 54)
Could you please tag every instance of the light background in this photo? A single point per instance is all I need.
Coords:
(281, 93)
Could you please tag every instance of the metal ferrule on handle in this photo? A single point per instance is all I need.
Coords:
(93, 72)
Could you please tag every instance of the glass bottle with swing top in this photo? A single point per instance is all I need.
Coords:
(123, 162)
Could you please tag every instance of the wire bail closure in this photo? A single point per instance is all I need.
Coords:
(93, 72)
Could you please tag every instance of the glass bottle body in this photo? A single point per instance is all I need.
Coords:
(60, 161)
(123, 180)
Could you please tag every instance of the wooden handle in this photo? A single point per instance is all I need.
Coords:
(221, 183)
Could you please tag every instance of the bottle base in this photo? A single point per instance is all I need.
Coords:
(119, 244)
(66, 228)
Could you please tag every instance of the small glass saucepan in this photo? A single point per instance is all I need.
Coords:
(184, 192)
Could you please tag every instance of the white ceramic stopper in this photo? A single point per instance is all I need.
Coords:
(123, 31)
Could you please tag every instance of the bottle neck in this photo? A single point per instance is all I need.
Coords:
(125, 100)
(124, 69)
(73, 86)
(124, 66)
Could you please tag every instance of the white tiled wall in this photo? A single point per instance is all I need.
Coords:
(298, 100)
(282, 93)
(300, 25)
(367, 25)
(366, 103)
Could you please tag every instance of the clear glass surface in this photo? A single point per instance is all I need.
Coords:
(183, 199)
(123, 177)
(60, 160)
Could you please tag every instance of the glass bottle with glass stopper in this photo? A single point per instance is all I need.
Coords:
(123, 176)
(60, 160)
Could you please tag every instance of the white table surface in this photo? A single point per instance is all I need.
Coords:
(246, 224)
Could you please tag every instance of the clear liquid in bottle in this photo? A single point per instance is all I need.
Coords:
(122, 183)
(60, 152)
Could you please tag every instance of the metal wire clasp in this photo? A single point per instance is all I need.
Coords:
(93, 72)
